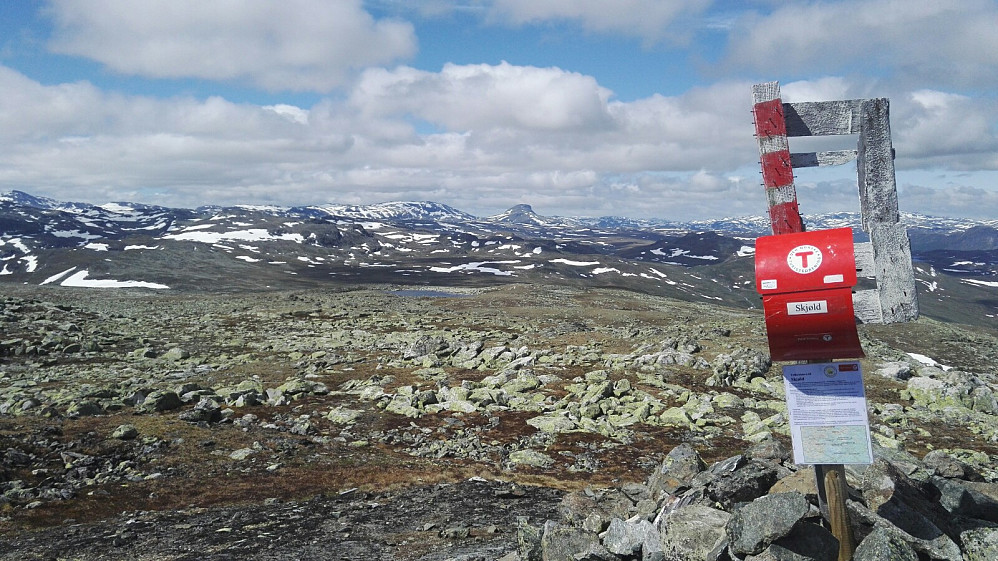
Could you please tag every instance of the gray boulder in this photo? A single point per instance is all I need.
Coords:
(162, 400)
(568, 543)
(735, 481)
(945, 465)
(176, 353)
(207, 410)
(979, 540)
(692, 532)
(965, 501)
(84, 408)
(740, 366)
(530, 458)
(528, 540)
(881, 544)
(677, 470)
(628, 538)
(757, 524)
(895, 370)
(927, 540)
(909, 504)
(125, 432)
(807, 542)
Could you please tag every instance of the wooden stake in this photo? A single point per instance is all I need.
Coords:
(835, 493)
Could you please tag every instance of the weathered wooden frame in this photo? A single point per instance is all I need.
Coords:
(887, 256)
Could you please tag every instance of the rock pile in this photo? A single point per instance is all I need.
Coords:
(759, 506)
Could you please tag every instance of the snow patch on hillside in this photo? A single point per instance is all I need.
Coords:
(251, 235)
(79, 279)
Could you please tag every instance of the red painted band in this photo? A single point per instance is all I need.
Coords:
(769, 120)
(785, 218)
(776, 169)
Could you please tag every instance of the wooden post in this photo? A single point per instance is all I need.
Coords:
(898, 300)
(834, 484)
(878, 195)
(777, 170)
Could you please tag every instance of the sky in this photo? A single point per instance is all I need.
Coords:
(637, 108)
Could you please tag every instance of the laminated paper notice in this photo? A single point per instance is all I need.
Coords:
(828, 420)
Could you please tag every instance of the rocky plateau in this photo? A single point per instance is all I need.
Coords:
(514, 422)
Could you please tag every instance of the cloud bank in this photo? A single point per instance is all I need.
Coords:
(483, 137)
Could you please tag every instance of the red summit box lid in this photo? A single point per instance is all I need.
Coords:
(805, 261)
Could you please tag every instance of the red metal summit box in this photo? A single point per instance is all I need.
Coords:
(806, 282)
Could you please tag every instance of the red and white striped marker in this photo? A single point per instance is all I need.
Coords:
(777, 173)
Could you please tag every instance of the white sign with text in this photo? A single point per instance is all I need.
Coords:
(828, 418)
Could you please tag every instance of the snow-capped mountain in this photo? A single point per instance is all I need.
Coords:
(48, 242)
(392, 212)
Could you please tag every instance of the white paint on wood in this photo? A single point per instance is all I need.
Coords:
(864, 260)
(769, 144)
(878, 194)
(781, 195)
(866, 306)
(822, 118)
(765, 92)
(895, 274)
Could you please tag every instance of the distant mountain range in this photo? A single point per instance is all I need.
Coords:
(49, 242)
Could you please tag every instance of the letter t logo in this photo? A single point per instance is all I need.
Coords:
(804, 259)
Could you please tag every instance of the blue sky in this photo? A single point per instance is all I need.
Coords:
(578, 107)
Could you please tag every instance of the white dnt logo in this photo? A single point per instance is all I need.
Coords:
(804, 259)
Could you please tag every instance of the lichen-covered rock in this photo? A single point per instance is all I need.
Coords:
(881, 544)
(675, 417)
(524, 381)
(895, 370)
(125, 432)
(692, 532)
(631, 537)
(979, 540)
(530, 458)
(528, 540)
(568, 543)
(739, 366)
(162, 400)
(553, 424)
(176, 353)
(84, 408)
(676, 471)
(402, 404)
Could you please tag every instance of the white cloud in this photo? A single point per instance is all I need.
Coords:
(940, 129)
(685, 156)
(913, 42)
(820, 89)
(485, 96)
(651, 20)
(293, 45)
